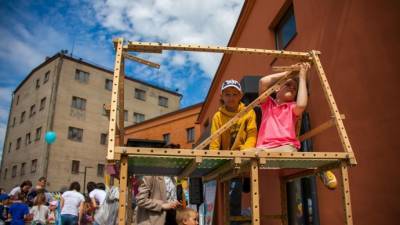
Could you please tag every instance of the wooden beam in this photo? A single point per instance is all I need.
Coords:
(255, 193)
(248, 108)
(286, 68)
(154, 47)
(346, 194)
(114, 99)
(319, 129)
(332, 105)
(284, 211)
(219, 171)
(142, 61)
(191, 167)
(123, 183)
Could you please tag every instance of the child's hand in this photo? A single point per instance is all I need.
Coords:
(304, 67)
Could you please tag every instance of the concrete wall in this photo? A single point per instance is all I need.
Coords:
(359, 44)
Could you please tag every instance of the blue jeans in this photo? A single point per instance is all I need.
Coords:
(67, 219)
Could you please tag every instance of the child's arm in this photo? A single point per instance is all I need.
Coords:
(215, 143)
(302, 95)
(267, 81)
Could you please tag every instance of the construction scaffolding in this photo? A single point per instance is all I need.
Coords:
(223, 164)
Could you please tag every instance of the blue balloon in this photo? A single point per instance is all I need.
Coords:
(50, 137)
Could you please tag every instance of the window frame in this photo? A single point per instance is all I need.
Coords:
(140, 94)
(75, 164)
(108, 84)
(78, 103)
(190, 136)
(79, 74)
(137, 115)
(160, 102)
(71, 134)
(33, 165)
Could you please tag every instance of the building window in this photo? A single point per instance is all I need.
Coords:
(18, 143)
(100, 170)
(9, 147)
(42, 104)
(75, 167)
(13, 123)
(285, 31)
(75, 134)
(33, 166)
(5, 173)
(23, 169)
(46, 77)
(78, 103)
(190, 134)
(38, 133)
(126, 115)
(28, 139)
(37, 83)
(140, 94)
(22, 117)
(81, 76)
(138, 117)
(108, 84)
(33, 111)
(103, 139)
(17, 100)
(162, 101)
(166, 137)
(14, 171)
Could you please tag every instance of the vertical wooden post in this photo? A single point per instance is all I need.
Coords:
(346, 193)
(129, 204)
(114, 99)
(255, 195)
(123, 183)
(284, 201)
(332, 104)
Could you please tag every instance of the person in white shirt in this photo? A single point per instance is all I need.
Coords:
(97, 196)
(39, 211)
(23, 188)
(72, 205)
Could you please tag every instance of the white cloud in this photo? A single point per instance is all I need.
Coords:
(174, 21)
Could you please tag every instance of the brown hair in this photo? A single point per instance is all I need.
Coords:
(40, 199)
(184, 214)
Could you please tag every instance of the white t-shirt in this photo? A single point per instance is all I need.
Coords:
(15, 191)
(39, 213)
(72, 201)
(99, 195)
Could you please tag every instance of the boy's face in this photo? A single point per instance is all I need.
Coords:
(231, 97)
(192, 220)
(288, 91)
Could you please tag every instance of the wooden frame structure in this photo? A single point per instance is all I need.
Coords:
(223, 164)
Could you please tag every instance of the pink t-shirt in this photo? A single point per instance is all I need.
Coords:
(277, 125)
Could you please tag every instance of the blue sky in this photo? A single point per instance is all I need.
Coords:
(32, 30)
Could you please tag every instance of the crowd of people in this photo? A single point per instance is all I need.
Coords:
(28, 204)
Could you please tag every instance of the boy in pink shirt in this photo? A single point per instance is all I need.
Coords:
(280, 115)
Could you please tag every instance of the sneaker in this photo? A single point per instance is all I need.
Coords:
(329, 179)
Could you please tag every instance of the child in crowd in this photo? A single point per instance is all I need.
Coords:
(39, 211)
(243, 133)
(18, 211)
(187, 216)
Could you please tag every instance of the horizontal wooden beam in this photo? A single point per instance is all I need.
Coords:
(142, 61)
(222, 154)
(218, 172)
(328, 124)
(154, 47)
(310, 172)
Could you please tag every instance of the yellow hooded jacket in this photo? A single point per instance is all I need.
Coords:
(242, 135)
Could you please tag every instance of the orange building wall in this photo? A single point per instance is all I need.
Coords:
(174, 123)
(359, 41)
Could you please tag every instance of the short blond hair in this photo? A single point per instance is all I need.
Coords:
(184, 214)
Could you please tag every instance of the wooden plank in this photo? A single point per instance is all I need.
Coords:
(123, 182)
(255, 197)
(284, 212)
(243, 112)
(191, 167)
(142, 61)
(332, 105)
(114, 100)
(328, 124)
(218, 172)
(346, 194)
(153, 46)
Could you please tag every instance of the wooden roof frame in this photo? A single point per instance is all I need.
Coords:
(254, 161)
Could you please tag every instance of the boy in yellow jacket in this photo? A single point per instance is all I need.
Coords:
(243, 134)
